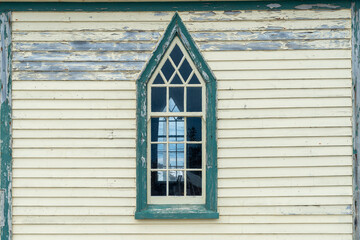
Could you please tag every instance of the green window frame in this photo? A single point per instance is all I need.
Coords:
(176, 28)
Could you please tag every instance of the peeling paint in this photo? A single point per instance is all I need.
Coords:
(273, 5)
(319, 5)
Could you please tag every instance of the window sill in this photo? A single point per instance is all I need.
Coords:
(187, 211)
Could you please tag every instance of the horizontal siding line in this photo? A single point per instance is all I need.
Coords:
(227, 188)
(238, 97)
(239, 137)
(223, 70)
(195, 19)
(248, 79)
(177, 234)
(144, 223)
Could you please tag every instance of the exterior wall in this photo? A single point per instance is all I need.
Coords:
(284, 124)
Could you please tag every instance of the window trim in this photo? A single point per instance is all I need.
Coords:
(183, 211)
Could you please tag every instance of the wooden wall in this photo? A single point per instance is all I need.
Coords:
(284, 124)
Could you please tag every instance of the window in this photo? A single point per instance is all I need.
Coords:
(176, 132)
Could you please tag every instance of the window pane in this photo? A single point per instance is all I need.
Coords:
(158, 80)
(176, 183)
(176, 55)
(194, 96)
(193, 156)
(193, 125)
(158, 156)
(176, 155)
(176, 99)
(194, 80)
(185, 70)
(158, 129)
(176, 129)
(158, 99)
(167, 70)
(158, 183)
(193, 183)
(176, 80)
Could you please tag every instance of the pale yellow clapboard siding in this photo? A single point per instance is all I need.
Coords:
(276, 55)
(223, 183)
(292, 112)
(78, 134)
(223, 202)
(280, 64)
(183, 236)
(284, 124)
(273, 162)
(91, 220)
(80, 163)
(186, 16)
(284, 132)
(174, 228)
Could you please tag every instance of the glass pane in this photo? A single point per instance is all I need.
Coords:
(193, 156)
(176, 99)
(176, 183)
(158, 156)
(176, 129)
(185, 70)
(176, 55)
(158, 80)
(193, 125)
(194, 80)
(194, 97)
(158, 129)
(167, 69)
(176, 80)
(193, 183)
(176, 155)
(158, 99)
(158, 183)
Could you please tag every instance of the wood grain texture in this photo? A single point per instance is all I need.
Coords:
(284, 123)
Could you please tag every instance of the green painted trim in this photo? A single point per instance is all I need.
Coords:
(176, 212)
(6, 138)
(209, 209)
(175, 6)
(355, 14)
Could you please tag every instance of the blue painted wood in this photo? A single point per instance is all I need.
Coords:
(356, 115)
(82, 56)
(209, 209)
(83, 46)
(78, 66)
(5, 115)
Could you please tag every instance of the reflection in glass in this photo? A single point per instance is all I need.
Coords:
(158, 129)
(194, 96)
(158, 80)
(158, 183)
(176, 55)
(193, 183)
(176, 129)
(176, 155)
(176, 79)
(158, 156)
(193, 126)
(185, 70)
(193, 155)
(194, 80)
(176, 183)
(158, 99)
(167, 69)
(176, 99)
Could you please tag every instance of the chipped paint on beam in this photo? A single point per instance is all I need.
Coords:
(6, 140)
(356, 111)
